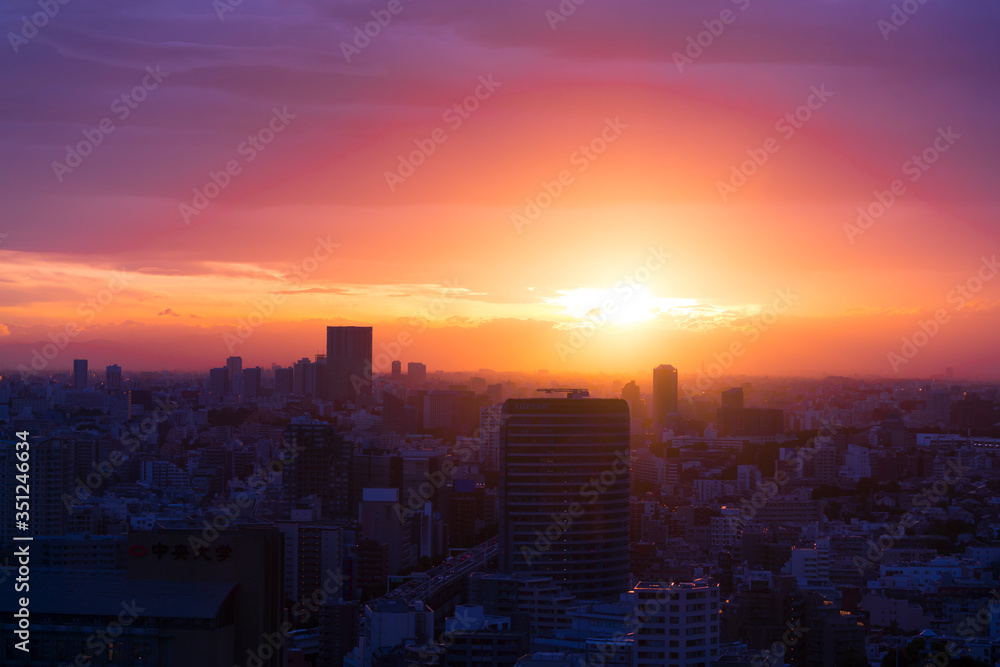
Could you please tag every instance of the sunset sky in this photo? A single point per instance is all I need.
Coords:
(453, 254)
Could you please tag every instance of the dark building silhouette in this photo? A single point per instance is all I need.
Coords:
(79, 374)
(564, 493)
(733, 398)
(113, 378)
(416, 372)
(218, 381)
(664, 393)
(349, 362)
(284, 379)
(252, 383)
(338, 628)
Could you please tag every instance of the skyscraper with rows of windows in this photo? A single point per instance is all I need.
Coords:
(564, 493)
(349, 363)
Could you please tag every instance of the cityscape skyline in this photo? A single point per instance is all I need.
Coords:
(533, 333)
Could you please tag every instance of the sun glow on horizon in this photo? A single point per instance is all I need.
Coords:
(623, 306)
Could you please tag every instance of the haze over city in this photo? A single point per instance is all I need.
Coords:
(530, 333)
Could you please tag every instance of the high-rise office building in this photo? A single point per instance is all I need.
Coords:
(251, 383)
(234, 368)
(489, 435)
(299, 381)
(564, 493)
(397, 369)
(416, 372)
(218, 381)
(664, 392)
(284, 379)
(733, 398)
(349, 362)
(234, 375)
(322, 377)
(636, 407)
(79, 374)
(939, 407)
(113, 378)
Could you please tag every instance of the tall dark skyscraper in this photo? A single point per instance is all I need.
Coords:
(664, 392)
(397, 369)
(416, 371)
(251, 383)
(283, 380)
(79, 374)
(218, 381)
(113, 378)
(234, 368)
(733, 398)
(564, 492)
(234, 375)
(348, 362)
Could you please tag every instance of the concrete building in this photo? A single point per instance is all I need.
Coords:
(681, 625)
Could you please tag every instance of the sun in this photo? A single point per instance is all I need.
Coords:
(622, 306)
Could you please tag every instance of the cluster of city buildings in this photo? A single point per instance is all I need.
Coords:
(334, 513)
